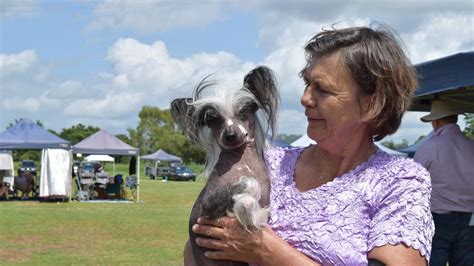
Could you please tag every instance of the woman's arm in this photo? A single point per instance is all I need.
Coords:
(397, 255)
(232, 242)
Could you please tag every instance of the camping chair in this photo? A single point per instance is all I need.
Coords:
(115, 187)
(7, 185)
(86, 181)
(131, 183)
(101, 180)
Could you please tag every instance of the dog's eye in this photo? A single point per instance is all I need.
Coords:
(248, 108)
(211, 117)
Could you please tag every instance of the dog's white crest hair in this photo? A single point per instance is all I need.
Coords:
(227, 101)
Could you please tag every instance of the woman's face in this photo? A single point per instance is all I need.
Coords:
(331, 101)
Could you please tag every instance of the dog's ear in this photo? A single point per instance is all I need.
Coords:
(181, 111)
(262, 84)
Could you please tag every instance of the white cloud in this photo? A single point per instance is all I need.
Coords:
(113, 105)
(155, 16)
(441, 35)
(16, 63)
(68, 90)
(29, 105)
(150, 70)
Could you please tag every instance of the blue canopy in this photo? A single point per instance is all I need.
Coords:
(161, 155)
(449, 78)
(102, 142)
(28, 135)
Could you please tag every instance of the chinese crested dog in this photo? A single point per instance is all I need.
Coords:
(232, 126)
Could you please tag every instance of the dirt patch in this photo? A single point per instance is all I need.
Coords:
(15, 255)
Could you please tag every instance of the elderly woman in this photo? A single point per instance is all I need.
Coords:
(342, 201)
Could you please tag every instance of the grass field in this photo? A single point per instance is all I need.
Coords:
(152, 232)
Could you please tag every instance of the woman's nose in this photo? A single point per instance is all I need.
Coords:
(307, 99)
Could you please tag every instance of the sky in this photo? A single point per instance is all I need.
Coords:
(98, 62)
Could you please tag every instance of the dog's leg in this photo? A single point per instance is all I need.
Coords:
(246, 194)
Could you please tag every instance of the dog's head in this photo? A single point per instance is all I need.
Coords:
(230, 118)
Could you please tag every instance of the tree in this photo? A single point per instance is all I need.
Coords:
(157, 130)
(469, 130)
(288, 138)
(77, 133)
(395, 146)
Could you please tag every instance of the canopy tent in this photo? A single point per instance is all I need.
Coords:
(28, 135)
(6, 168)
(161, 155)
(101, 158)
(304, 141)
(102, 142)
(450, 78)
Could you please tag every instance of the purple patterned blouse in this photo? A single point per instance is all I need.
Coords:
(384, 200)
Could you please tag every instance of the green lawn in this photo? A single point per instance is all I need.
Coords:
(152, 232)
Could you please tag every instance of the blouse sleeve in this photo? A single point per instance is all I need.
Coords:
(402, 212)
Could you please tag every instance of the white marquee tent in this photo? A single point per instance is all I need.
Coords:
(101, 158)
(304, 141)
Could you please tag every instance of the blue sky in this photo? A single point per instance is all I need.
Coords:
(99, 62)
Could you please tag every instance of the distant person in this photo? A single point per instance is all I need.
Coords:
(449, 157)
(98, 168)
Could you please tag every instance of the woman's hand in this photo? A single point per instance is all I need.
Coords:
(230, 241)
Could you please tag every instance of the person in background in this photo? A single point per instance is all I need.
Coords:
(449, 157)
(343, 201)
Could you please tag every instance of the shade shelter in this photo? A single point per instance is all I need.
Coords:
(102, 142)
(304, 141)
(161, 155)
(450, 78)
(27, 135)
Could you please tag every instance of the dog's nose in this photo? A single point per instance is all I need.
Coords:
(230, 135)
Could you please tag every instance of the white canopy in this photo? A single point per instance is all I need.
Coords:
(6, 168)
(6, 161)
(99, 158)
(304, 141)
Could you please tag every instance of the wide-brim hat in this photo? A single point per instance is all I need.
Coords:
(440, 109)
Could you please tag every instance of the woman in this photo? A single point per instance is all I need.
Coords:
(342, 201)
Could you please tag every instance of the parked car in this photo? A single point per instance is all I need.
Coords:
(28, 166)
(86, 169)
(181, 172)
(156, 169)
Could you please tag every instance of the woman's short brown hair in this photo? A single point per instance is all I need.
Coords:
(377, 63)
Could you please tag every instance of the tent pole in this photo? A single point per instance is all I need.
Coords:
(70, 172)
(138, 178)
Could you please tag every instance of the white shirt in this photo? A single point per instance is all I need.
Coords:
(449, 157)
